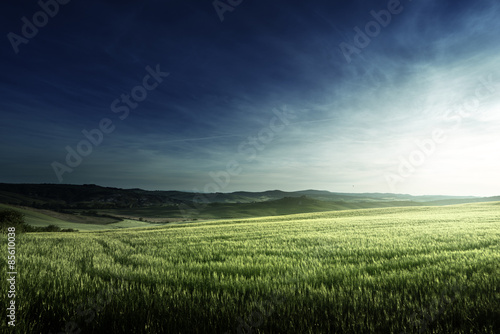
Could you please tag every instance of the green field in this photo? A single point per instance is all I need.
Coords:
(284, 206)
(390, 270)
(34, 218)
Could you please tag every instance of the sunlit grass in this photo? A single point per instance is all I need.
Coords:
(357, 271)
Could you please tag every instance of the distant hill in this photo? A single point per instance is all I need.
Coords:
(63, 196)
(110, 203)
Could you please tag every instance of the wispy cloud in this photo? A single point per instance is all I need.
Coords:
(354, 121)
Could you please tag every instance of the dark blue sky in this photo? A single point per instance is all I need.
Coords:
(268, 98)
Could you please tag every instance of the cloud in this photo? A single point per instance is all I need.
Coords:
(354, 121)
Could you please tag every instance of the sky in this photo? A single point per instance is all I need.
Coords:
(221, 96)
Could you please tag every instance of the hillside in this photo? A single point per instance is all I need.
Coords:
(60, 196)
(95, 205)
(288, 205)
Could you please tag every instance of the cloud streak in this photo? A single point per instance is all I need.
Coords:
(354, 121)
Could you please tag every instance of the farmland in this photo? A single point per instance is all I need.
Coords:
(42, 218)
(383, 270)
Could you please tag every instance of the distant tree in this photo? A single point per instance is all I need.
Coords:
(52, 228)
(68, 230)
(12, 218)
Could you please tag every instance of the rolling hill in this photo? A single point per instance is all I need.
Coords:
(86, 205)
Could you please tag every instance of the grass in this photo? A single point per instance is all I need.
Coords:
(284, 206)
(39, 218)
(35, 218)
(391, 270)
(128, 223)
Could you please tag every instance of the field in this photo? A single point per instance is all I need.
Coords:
(43, 218)
(388, 270)
(284, 206)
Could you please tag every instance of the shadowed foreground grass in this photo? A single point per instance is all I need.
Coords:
(395, 270)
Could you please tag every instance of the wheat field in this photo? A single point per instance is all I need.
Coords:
(390, 270)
